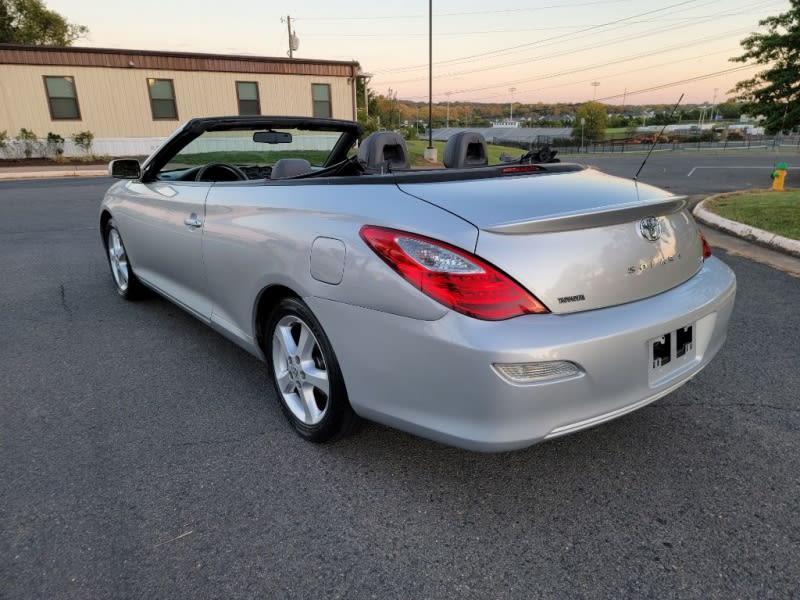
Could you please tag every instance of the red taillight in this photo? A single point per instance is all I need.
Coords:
(520, 169)
(455, 278)
(706, 247)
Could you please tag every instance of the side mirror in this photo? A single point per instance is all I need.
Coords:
(125, 168)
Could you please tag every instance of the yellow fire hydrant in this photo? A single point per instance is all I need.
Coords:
(778, 176)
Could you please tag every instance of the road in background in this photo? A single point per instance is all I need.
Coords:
(143, 455)
(697, 173)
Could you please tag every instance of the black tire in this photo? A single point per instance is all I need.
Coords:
(306, 374)
(125, 281)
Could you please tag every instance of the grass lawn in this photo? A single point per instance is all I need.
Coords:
(617, 133)
(776, 212)
(416, 150)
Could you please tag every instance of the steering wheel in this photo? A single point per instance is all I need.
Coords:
(232, 172)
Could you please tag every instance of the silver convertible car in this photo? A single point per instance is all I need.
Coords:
(485, 306)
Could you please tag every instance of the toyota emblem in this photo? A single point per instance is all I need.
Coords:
(650, 228)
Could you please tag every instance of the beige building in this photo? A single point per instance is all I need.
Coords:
(132, 99)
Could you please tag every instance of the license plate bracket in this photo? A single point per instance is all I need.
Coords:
(671, 351)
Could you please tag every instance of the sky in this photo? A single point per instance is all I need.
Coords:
(614, 51)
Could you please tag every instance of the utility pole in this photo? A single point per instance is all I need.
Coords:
(293, 41)
(511, 108)
(447, 122)
(430, 151)
(391, 106)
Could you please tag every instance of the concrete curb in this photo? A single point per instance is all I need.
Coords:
(746, 232)
(54, 174)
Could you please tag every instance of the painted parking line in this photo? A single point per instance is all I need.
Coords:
(764, 167)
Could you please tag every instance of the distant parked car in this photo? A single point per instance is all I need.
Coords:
(486, 306)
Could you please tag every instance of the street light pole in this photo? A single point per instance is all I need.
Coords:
(366, 77)
(583, 122)
(713, 104)
(511, 111)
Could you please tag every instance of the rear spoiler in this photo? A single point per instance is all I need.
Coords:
(613, 215)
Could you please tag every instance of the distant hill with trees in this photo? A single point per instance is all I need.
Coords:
(386, 111)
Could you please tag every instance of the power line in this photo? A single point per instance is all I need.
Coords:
(505, 83)
(463, 13)
(386, 34)
(660, 86)
(529, 60)
(629, 72)
(622, 39)
(540, 42)
(682, 81)
(604, 76)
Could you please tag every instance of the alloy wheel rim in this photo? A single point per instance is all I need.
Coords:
(300, 370)
(119, 260)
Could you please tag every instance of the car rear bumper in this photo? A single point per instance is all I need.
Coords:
(436, 378)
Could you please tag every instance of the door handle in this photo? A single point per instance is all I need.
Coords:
(193, 221)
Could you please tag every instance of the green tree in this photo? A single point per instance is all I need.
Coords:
(729, 109)
(595, 122)
(31, 22)
(774, 92)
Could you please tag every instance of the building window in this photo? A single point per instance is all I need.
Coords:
(162, 99)
(321, 94)
(62, 98)
(247, 94)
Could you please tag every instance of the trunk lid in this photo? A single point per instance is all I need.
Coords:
(577, 240)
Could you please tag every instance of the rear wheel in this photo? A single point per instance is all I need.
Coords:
(127, 284)
(306, 374)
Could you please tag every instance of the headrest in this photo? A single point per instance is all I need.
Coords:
(384, 150)
(465, 149)
(290, 167)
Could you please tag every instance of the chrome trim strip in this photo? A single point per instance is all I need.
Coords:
(572, 427)
(613, 215)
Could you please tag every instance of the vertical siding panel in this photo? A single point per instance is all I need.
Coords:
(114, 102)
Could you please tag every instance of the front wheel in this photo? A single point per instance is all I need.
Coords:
(127, 284)
(306, 374)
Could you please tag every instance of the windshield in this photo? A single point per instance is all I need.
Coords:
(253, 148)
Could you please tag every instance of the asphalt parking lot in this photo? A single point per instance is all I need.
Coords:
(694, 173)
(143, 455)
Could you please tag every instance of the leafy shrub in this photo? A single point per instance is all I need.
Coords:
(410, 132)
(30, 143)
(55, 145)
(83, 140)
